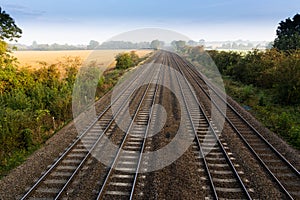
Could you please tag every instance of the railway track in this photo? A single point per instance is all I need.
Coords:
(286, 176)
(54, 182)
(222, 176)
(120, 178)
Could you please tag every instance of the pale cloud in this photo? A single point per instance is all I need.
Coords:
(22, 11)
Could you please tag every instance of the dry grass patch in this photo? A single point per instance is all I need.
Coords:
(36, 59)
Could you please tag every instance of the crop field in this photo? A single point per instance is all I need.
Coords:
(34, 59)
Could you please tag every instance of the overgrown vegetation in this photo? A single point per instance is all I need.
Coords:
(268, 83)
(34, 104)
(282, 119)
(265, 82)
(273, 69)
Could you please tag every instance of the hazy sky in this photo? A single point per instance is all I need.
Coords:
(77, 21)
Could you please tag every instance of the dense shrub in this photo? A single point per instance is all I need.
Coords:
(268, 82)
(287, 79)
(225, 60)
(33, 103)
(126, 60)
(36, 103)
(271, 69)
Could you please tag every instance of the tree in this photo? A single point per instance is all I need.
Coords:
(192, 43)
(202, 42)
(34, 44)
(8, 29)
(134, 57)
(178, 45)
(288, 34)
(93, 44)
(270, 45)
(124, 61)
(155, 44)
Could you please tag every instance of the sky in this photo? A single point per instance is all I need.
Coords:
(78, 22)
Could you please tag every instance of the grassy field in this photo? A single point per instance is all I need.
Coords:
(33, 59)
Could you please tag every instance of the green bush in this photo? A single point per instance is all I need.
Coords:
(271, 69)
(269, 82)
(126, 60)
(225, 60)
(283, 122)
(26, 139)
(246, 92)
(34, 104)
(31, 102)
(294, 133)
(287, 82)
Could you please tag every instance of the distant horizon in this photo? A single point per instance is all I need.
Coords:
(21, 41)
(84, 44)
(78, 22)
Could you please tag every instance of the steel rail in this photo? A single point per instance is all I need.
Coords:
(123, 142)
(200, 148)
(144, 140)
(216, 136)
(68, 150)
(242, 118)
(91, 149)
(245, 140)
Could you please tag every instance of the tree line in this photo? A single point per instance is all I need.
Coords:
(93, 45)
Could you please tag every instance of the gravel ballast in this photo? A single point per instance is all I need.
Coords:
(183, 179)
